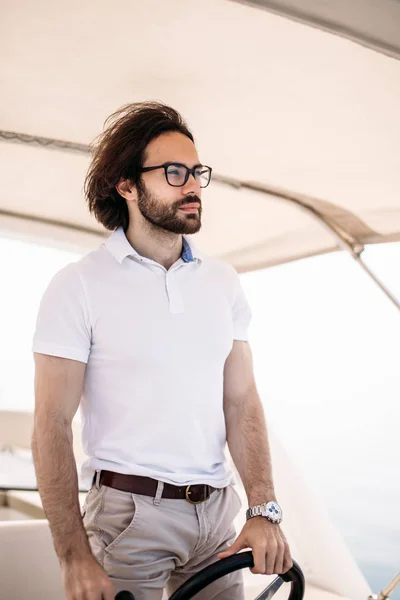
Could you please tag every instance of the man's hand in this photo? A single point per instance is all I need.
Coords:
(270, 549)
(85, 579)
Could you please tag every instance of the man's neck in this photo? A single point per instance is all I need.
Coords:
(157, 244)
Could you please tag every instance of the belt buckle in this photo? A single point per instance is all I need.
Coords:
(188, 492)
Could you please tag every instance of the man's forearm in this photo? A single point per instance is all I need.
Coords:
(248, 445)
(58, 487)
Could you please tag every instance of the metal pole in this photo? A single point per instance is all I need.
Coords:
(377, 281)
(384, 594)
(389, 588)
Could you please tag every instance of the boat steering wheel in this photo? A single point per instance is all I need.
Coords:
(228, 565)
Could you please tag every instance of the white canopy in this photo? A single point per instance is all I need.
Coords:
(270, 99)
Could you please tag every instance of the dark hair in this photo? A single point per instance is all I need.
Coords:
(118, 153)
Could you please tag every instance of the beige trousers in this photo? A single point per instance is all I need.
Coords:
(150, 544)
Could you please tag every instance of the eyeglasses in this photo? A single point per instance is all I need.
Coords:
(177, 174)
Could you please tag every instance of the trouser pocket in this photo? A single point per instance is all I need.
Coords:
(116, 517)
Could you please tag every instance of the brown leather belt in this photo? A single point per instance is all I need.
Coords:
(147, 487)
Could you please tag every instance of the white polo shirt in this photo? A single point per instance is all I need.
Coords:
(155, 342)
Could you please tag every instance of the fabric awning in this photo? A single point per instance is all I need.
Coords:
(282, 101)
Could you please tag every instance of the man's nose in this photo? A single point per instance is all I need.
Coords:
(192, 186)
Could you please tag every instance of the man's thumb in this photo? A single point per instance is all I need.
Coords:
(236, 546)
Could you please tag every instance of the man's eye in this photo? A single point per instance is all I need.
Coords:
(175, 171)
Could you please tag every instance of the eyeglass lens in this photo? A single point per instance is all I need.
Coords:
(177, 174)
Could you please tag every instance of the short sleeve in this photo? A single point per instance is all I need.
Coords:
(241, 312)
(63, 325)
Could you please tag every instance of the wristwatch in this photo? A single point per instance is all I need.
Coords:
(271, 510)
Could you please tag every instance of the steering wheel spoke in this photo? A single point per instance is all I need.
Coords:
(271, 589)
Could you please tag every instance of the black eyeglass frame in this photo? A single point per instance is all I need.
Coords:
(188, 172)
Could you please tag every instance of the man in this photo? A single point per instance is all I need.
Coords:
(150, 337)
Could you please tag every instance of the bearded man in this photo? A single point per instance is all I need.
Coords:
(149, 337)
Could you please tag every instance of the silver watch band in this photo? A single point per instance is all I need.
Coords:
(254, 511)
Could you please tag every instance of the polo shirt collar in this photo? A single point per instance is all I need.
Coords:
(117, 244)
(187, 254)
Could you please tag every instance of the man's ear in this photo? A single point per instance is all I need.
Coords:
(126, 189)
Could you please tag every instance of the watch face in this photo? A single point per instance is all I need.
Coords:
(273, 512)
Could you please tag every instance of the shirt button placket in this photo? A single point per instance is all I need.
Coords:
(174, 294)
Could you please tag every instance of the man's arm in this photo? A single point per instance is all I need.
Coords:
(58, 389)
(248, 444)
(245, 426)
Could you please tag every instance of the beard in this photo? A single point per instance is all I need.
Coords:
(169, 217)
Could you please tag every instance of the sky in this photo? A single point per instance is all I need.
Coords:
(325, 344)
